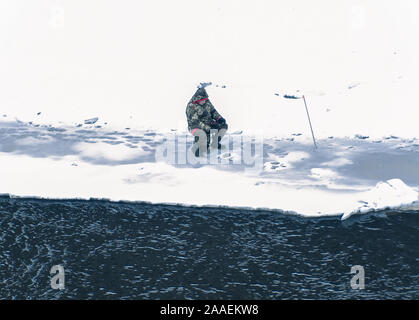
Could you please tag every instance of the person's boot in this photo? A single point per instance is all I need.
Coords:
(219, 144)
(197, 150)
(197, 146)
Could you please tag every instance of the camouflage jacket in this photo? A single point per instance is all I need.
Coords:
(201, 116)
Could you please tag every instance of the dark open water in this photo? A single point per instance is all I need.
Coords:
(141, 251)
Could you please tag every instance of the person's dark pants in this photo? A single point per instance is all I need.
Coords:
(203, 138)
(222, 129)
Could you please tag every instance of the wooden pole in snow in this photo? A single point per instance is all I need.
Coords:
(309, 121)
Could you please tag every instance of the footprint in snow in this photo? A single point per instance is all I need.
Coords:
(360, 136)
(91, 121)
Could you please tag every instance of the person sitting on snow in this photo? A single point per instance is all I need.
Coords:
(202, 117)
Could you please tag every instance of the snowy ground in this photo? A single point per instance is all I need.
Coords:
(344, 175)
(131, 68)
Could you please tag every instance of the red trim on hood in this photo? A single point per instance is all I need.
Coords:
(203, 99)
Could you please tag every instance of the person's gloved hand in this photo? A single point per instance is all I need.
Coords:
(221, 120)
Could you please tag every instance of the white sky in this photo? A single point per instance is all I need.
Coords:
(77, 59)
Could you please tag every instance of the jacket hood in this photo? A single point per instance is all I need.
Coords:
(201, 93)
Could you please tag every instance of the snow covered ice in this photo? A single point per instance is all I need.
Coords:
(342, 177)
(85, 108)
